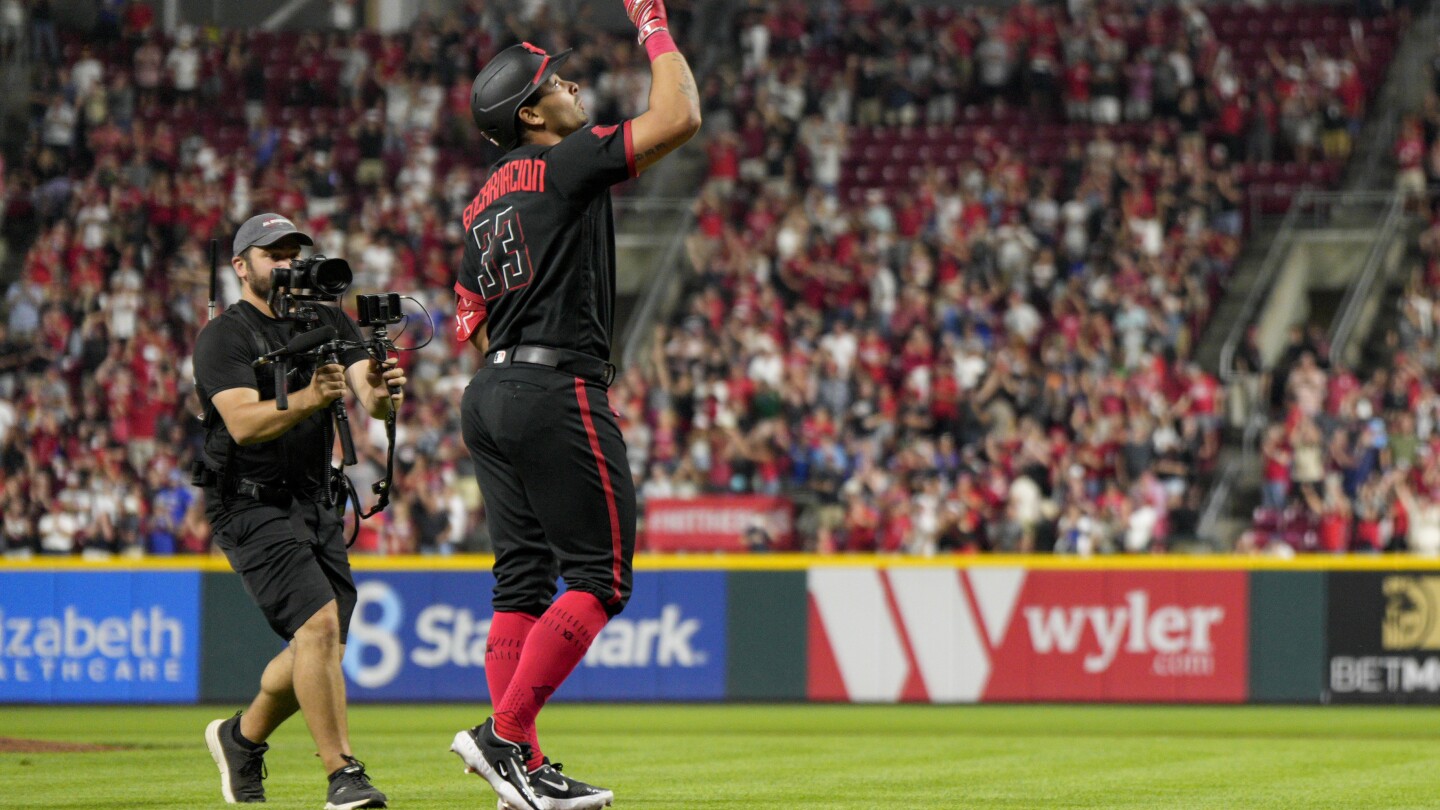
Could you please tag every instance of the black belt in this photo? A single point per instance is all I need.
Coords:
(580, 364)
(203, 476)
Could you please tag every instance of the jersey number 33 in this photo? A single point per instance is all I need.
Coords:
(504, 258)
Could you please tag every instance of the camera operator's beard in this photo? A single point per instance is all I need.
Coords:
(260, 284)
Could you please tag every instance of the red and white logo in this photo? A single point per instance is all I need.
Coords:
(907, 634)
(1005, 634)
(718, 523)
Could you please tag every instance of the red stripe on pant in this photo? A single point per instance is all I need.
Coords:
(615, 545)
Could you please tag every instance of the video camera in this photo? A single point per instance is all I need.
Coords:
(294, 293)
(294, 289)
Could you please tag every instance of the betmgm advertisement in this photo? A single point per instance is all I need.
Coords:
(1384, 637)
(92, 637)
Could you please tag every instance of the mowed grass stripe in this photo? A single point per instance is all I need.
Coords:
(784, 756)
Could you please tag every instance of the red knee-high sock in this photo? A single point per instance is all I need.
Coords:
(555, 645)
(502, 651)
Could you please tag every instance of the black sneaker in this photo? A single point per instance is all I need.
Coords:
(242, 769)
(565, 793)
(350, 788)
(501, 763)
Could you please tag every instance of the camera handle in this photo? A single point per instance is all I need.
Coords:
(381, 341)
(342, 417)
(300, 344)
(282, 397)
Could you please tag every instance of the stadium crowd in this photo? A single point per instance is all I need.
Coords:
(1351, 461)
(141, 148)
(991, 350)
(995, 357)
(988, 353)
(1268, 83)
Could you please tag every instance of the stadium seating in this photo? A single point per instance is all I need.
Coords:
(858, 308)
(901, 493)
(94, 444)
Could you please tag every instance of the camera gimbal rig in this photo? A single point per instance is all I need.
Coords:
(295, 292)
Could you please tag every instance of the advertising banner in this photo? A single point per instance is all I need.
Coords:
(716, 523)
(946, 635)
(99, 637)
(421, 636)
(1384, 631)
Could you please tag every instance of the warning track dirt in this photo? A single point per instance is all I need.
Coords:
(13, 745)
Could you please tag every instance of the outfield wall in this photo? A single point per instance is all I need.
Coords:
(771, 628)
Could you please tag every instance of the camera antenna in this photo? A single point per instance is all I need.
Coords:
(214, 274)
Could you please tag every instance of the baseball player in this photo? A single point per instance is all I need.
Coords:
(538, 281)
(263, 470)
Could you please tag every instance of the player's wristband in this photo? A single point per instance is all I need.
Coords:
(660, 43)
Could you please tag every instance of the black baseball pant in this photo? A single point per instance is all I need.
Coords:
(559, 499)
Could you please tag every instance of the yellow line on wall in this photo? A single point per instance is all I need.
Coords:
(799, 562)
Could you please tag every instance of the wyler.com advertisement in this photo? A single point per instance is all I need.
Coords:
(1127, 635)
(421, 636)
(941, 635)
(96, 637)
(1384, 637)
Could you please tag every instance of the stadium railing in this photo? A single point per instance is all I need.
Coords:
(1358, 301)
(1314, 212)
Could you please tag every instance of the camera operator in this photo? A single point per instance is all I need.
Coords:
(266, 477)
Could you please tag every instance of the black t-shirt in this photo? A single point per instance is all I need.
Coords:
(540, 244)
(223, 353)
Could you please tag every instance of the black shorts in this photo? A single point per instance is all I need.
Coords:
(559, 499)
(292, 559)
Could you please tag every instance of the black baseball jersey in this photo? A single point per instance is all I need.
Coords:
(539, 263)
(223, 353)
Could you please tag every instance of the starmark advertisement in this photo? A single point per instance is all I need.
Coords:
(1384, 637)
(990, 634)
(422, 635)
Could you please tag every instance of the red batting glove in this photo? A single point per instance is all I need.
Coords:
(648, 16)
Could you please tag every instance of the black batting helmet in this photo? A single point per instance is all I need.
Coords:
(504, 84)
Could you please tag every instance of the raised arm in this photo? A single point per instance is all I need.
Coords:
(1403, 493)
(674, 113)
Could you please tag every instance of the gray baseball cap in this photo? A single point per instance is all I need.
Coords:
(265, 229)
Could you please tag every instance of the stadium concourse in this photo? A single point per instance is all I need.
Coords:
(946, 296)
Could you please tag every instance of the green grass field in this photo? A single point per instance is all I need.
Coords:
(837, 757)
